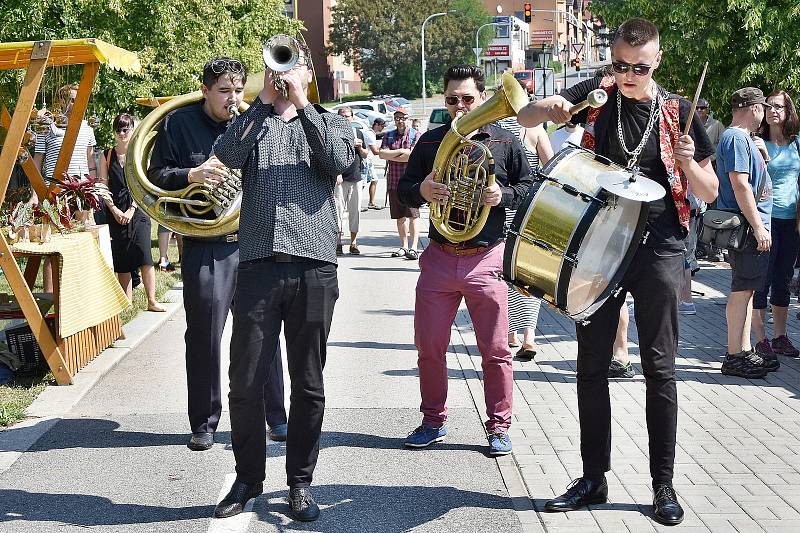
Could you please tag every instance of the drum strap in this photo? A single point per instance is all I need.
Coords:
(669, 133)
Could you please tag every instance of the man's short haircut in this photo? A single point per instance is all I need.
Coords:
(344, 108)
(636, 32)
(222, 66)
(465, 72)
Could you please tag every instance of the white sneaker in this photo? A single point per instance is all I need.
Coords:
(686, 308)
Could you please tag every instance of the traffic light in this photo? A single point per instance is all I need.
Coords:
(528, 12)
(577, 63)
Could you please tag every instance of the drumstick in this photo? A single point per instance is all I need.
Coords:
(596, 98)
(696, 98)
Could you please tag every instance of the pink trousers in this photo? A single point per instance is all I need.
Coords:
(444, 279)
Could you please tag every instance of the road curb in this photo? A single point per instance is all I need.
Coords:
(55, 401)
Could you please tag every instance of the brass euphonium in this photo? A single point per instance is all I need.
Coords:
(463, 215)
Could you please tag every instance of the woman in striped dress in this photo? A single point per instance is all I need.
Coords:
(523, 311)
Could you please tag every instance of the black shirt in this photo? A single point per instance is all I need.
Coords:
(184, 141)
(511, 169)
(665, 229)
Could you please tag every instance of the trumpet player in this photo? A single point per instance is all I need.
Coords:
(182, 155)
(290, 152)
(470, 270)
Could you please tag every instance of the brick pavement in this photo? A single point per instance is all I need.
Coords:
(738, 456)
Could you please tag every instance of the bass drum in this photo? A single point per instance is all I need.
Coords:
(571, 241)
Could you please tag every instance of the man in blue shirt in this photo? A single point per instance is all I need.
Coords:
(744, 184)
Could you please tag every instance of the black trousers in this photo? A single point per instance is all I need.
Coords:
(654, 280)
(209, 279)
(301, 296)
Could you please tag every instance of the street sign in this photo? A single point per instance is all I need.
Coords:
(497, 50)
(577, 48)
(541, 36)
(477, 51)
(544, 82)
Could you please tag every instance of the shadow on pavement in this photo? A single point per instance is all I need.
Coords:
(371, 345)
(392, 509)
(85, 510)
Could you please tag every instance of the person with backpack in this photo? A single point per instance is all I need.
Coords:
(349, 192)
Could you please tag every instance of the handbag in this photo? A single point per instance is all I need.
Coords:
(728, 228)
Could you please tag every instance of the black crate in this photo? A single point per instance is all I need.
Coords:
(23, 344)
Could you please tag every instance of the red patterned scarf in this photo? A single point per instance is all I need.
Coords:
(669, 133)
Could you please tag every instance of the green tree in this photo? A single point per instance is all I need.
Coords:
(746, 43)
(382, 40)
(174, 39)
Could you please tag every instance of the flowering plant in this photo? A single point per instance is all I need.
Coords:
(80, 193)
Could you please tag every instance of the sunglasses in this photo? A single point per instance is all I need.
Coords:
(345, 116)
(702, 107)
(453, 100)
(123, 130)
(219, 66)
(400, 119)
(640, 69)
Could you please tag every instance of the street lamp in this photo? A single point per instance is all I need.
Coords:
(477, 45)
(425, 96)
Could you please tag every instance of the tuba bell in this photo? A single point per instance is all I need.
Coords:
(463, 215)
(197, 210)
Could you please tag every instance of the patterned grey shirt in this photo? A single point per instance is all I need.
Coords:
(289, 173)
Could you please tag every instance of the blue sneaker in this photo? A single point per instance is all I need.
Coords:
(425, 436)
(499, 444)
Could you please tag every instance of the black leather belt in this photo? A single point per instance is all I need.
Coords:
(233, 237)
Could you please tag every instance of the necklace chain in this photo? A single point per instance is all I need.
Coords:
(636, 152)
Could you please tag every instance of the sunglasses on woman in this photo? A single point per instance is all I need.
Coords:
(621, 67)
(453, 100)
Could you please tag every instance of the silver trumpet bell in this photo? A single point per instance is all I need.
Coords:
(281, 53)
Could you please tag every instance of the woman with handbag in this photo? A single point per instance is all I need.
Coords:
(780, 129)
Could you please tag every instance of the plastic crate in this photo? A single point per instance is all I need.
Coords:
(23, 344)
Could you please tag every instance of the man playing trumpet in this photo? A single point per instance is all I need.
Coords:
(290, 152)
(640, 126)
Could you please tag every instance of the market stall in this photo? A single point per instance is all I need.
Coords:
(83, 328)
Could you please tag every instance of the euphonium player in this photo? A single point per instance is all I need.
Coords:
(469, 270)
(182, 155)
(290, 152)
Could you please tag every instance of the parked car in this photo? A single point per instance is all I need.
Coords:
(439, 117)
(525, 78)
(378, 106)
(398, 102)
(369, 117)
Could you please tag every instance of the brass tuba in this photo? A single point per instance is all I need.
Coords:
(196, 210)
(463, 215)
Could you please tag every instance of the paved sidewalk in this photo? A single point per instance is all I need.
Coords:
(117, 461)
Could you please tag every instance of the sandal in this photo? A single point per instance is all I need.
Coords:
(526, 354)
(412, 255)
(400, 252)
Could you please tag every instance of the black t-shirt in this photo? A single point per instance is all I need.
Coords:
(665, 229)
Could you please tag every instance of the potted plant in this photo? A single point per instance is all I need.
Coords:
(81, 196)
(46, 215)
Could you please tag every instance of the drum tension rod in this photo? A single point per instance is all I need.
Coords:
(569, 189)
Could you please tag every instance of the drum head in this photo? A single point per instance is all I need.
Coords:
(603, 254)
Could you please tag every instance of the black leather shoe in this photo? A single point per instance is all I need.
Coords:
(234, 502)
(580, 493)
(302, 506)
(666, 508)
(200, 442)
(279, 432)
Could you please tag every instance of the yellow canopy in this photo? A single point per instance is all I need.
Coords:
(71, 52)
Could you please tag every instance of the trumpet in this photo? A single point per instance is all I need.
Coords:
(281, 54)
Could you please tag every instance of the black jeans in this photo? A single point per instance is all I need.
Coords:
(654, 280)
(209, 278)
(782, 256)
(301, 297)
